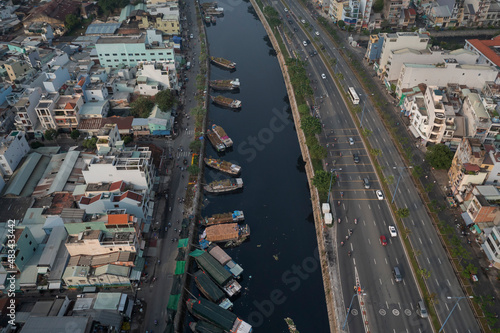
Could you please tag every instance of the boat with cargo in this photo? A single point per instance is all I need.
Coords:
(226, 101)
(225, 260)
(215, 141)
(217, 272)
(225, 85)
(236, 216)
(222, 135)
(223, 166)
(223, 62)
(227, 232)
(204, 327)
(211, 290)
(225, 185)
(217, 316)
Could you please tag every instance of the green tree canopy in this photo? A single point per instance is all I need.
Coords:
(51, 134)
(439, 156)
(322, 180)
(75, 134)
(317, 152)
(193, 169)
(108, 6)
(195, 145)
(127, 139)
(141, 107)
(90, 143)
(71, 21)
(165, 100)
(310, 125)
(403, 213)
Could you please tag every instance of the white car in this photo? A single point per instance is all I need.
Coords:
(351, 141)
(303, 21)
(317, 33)
(392, 231)
(191, 36)
(323, 76)
(304, 43)
(379, 194)
(286, 10)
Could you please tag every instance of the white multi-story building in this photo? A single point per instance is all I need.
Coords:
(26, 118)
(411, 56)
(153, 77)
(132, 165)
(398, 41)
(473, 76)
(55, 78)
(96, 91)
(108, 136)
(491, 246)
(132, 202)
(479, 121)
(45, 110)
(13, 147)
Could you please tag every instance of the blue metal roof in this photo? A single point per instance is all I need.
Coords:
(102, 28)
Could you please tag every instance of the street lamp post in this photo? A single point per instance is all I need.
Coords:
(349, 310)
(458, 300)
(399, 178)
(331, 179)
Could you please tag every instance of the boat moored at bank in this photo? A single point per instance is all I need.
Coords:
(219, 131)
(226, 102)
(225, 85)
(225, 185)
(215, 141)
(223, 166)
(234, 217)
(215, 315)
(223, 62)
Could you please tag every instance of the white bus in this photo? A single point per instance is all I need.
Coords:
(353, 95)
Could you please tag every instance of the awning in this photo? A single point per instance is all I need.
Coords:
(414, 131)
(180, 267)
(477, 229)
(54, 285)
(467, 218)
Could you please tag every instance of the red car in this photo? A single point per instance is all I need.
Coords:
(383, 240)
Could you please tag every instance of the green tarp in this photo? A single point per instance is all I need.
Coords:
(183, 242)
(180, 267)
(213, 313)
(213, 268)
(196, 253)
(208, 287)
(173, 301)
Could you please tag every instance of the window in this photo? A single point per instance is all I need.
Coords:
(22, 258)
(124, 60)
(137, 54)
(143, 54)
(107, 54)
(25, 235)
(30, 242)
(160, 53)
(114, 54)
(123, 54)
(130, 54)
(116, 60)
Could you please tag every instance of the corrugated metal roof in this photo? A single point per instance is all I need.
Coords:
(102, 28)
(22, 175)
(64, 172)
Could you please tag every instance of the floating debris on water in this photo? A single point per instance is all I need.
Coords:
(291, 325)
(276, 257)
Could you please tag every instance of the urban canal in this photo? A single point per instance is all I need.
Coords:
(282, 275)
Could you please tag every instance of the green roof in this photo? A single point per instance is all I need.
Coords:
(180, 267)
(183, 242)
(173, 301)
(129, 8)
(213, 268)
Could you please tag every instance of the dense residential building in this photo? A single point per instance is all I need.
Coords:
(466, 166)
(479, 121)
(130, 50)
(487, 50)
(13, 147)
(441, 74)
(53, 13)
(67, 110)
(16, 68)
(107, 136)
(26, 118)
(482, 206)
(133, 165)
(96, 242)
(130, 202)
(393, 9)
(153, 77)
(491, 246)
(45, 110)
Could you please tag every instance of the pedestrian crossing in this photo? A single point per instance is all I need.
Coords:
(183, 154)
(188, 132)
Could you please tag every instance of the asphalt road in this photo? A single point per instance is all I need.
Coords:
(156, 294)
(391, 306)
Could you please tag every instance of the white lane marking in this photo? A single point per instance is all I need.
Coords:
(420, 240)
(369, 206)
(383, 139)
(439, 261)
(386, 261)
(397, 261)
(411, 304)
(374, 261)
(354, 261)
(406, 205)
(430, 240)
(387, 304)
(399, 305)
(359, 206)
(449, 284)
(412, 222)
(369, 242)
(414, 204)
(422, 222)
(459, 307)
(379, 206)
(428, 260)
(408, 189)
(399, 190)
(447, 308)
(437, 282)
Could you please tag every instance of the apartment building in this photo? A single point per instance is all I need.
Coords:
(66, 111)
(13, 147)
(45, 110)
(153, 77)
(95, 242)
(491, 246)
(482, 206)
(130, 50)
(479, 121)
(133, 165)
(107, 136)
(55, 78)
(441, 74)
(131, 202)
(24, 104)
(466, 166)
(16, 68)
(397, 41)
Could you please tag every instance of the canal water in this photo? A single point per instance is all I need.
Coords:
(282, 274)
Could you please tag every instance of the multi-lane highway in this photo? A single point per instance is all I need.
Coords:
(391, 305)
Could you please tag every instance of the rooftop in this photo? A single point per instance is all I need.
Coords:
(489, 48)
(141, 39)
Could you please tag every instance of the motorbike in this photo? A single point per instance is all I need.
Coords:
(341, 194)
(338, 203)
(355, 221)
(349, 253)
(338, 221)
(156, 322)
